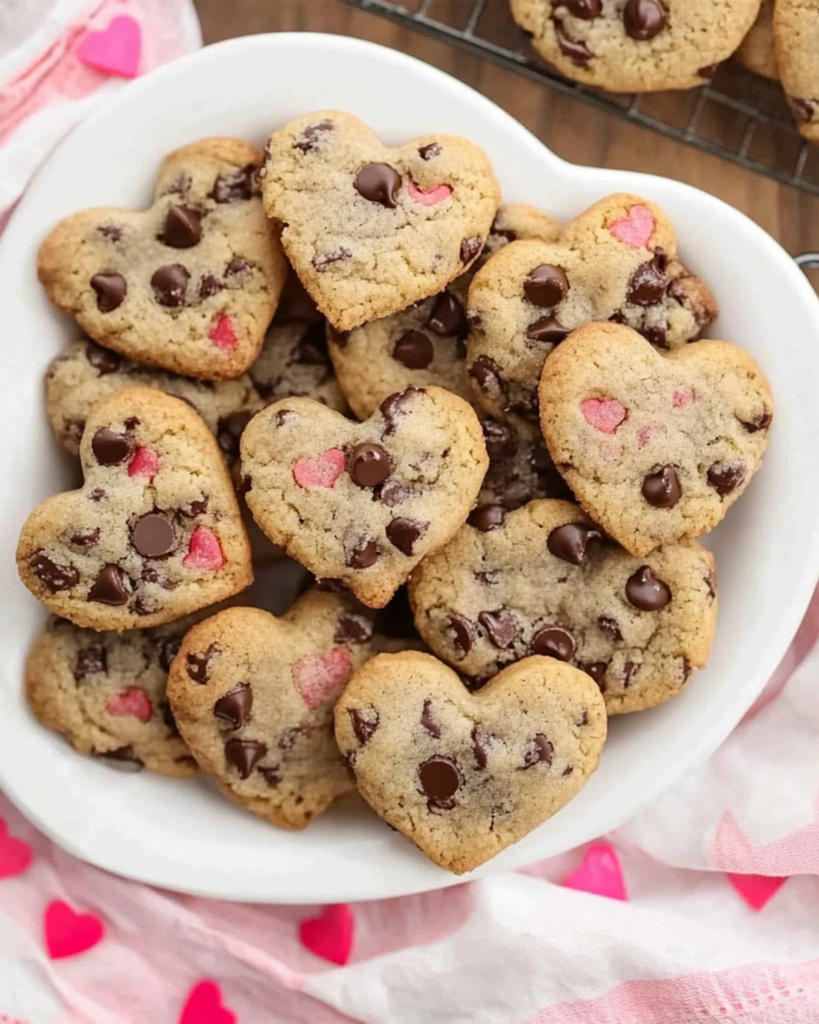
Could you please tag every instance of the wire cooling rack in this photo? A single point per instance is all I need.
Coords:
(738, 116)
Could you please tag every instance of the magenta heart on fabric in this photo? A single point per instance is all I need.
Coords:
(756, 890)
(68, 933)
(15, 855)
(330, 935)
(599, 873)
(204, 1005)
(116, 49)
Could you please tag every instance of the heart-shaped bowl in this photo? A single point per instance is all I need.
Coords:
(183, 835)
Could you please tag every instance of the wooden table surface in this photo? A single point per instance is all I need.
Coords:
(572, 129)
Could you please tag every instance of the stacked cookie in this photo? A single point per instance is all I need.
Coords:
(455, 588)
(654, 45)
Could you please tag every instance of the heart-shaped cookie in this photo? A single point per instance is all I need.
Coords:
(189, 284)
(253, 696)
(464, 775)
(617, 261)
(105, 692)
(371, 229)
(155, 531)
(656, 448)
(363, 503)
(543, 580)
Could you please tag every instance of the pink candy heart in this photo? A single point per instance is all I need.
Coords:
(318, 678)
(204, 1005)
(68, 933)
(428, 196)
(320, 472)
(145, 464)
(605, 414)
(599, 873)
(756, 890)
(680, 399)
(222, 334)
(330, 935)
(133, 702)
(15, 855)
(116, 50)
(204, 551)
(636, 228)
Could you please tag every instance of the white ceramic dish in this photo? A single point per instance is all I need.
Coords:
(182, 835)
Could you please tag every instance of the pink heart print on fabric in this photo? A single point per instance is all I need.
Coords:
(330, 935)
(319, 678)
(204, 1005)
(68, 933)
(428, 196)
(320, 472)
(15, 855)
(605, 414)
(599, 873)
(635, 229)
(116, 50)
(756, 890)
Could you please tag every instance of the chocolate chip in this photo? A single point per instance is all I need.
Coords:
(195, 508)
(588, 10)
(284, 416)
(311, 349)
(378, 183)
(539, 750)
(209, 286)
(658, 336)
(229, 432)
(244, 755)
(629, 670)
(87, 537)
(312, 135)
(501, 442)
(170, 285)
(234, 188)
(327, 259)
(109, 587)
(429, 151)
(500, 626)
(234, 707)
(413, 350)
(448, 317)
(353, 628)
(368, 465)
(198, 665)
(110, 230)
(463, 633)
(725, 478)
(110, 447)
(111, 289)
(98, 494)
(554, 642)
(167, 648)
(238, 265)
(526, 404)
(395, 405)
(489, 577)
(481, 742)
(123, 759)
(487, 517)
(611, 626)
(428, 722)
(546, 285)
(150, 574)
(271, 776)
(183, 227)
(760, 422)
(404, 534)
(686, 669)
(470, 247)
(597, 670)
(363, 555)
(648, 283)
(90, 661)
(391, 494)
(547, 330)
(643, 19)
(180, 184)
(571, 542)
(645, 592)
(153, 535)
(662, 488)
(102, 359)
(802, 109)
(364, 722)
(486, 373)
(574, 49)
(711, 583)
(440, 780)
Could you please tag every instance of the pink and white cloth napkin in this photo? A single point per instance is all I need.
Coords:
(712, 905)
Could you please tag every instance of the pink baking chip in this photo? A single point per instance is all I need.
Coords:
(645, 435)
(134, 703)
(635, 229)
(320, 472)
(204, 551)
(605, 414)
(318, 678)
(428, 196)
(681, 399)
(222, 334)
(144, 465)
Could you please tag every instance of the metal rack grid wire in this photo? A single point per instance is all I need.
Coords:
(738, 116)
